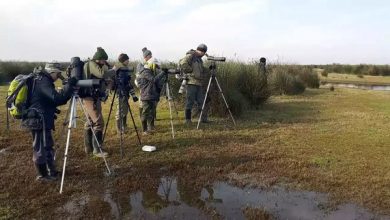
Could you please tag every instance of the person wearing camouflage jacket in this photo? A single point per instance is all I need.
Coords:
(193, 68)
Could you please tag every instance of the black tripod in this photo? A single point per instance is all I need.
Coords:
(122, 95)
(213, 76)
(72, 124)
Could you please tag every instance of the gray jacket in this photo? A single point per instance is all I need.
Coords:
(150, 85)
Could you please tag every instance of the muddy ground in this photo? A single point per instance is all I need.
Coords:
(271, 147)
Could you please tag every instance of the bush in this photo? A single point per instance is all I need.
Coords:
(10, 69)
(310, 78)
(285, 80)
(324, 73)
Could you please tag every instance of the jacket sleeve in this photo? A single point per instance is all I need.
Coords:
(51, 96)
(186, 65)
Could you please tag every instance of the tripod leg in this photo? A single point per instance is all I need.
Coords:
(62, 131)
(6, 109)
(135, 126)
(71, 118)
(109, 115)
(120, 124)
(173, 102)
(204, 101)
(94, 134)
(223, 96)
(169, 98)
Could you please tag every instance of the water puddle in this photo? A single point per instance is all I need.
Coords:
(174, 199)
(359, 86)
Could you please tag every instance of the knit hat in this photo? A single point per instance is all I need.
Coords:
(146, 52)
(123, 57)
(202, 47)
(53, 67)
(100, 54)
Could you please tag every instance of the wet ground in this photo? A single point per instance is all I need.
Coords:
(171, 200)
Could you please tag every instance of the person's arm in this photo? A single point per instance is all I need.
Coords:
(51, 96)
(186, 64)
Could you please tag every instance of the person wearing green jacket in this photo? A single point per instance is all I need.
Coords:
(193, 68)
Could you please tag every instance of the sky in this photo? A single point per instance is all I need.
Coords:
(286, 31)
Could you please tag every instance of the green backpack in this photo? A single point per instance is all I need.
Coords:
(17, 95)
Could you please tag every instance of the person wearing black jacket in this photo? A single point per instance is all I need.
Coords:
(43, 100)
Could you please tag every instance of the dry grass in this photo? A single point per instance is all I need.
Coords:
(335, 142)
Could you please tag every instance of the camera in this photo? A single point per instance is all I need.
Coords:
(122, 83)
(88, 87)
(217, 59)
(171, 71)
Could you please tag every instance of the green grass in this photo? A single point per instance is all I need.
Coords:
(333, 142)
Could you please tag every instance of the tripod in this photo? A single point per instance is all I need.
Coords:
(72, 124)
(121, 97)
(171, 103)
(213, 76)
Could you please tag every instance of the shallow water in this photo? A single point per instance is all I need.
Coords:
(360, 86)
(171, 200)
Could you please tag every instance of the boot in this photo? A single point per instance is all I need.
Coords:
(145, 127)
(88, 146)
(96, 151)
(125, 124)
(42, 173)
(52, 169)
(152, 127)
(188, 116)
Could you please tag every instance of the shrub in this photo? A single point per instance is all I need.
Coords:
(310, 78)
(285, 80)
(324, 73)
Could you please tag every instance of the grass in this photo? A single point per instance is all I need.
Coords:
(321, 140)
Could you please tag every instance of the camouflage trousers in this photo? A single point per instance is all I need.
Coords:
(94, 111)
(148, 114)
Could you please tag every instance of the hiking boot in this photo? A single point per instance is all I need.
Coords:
(52, 170)
(42, 173)
(98, 151)
(88, 146)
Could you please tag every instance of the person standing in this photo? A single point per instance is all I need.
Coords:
(97, 68)
(193, 68)
(39, 117)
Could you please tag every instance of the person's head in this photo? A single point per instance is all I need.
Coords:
(201, 50)
(147, 54)
(124, 59)
(263, 60)
(55, 70)
(100, 56)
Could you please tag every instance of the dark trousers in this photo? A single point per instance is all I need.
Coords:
(43, 153)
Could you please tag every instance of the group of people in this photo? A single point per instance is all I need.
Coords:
(43, 100)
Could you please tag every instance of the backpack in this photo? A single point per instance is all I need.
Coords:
(18, 94)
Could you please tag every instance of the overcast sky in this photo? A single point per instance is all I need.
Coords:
(293, 31)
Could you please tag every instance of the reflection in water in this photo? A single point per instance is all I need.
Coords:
(360, 86)
(178, 198)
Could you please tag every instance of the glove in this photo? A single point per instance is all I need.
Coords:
(72, 82)
(135, 98)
